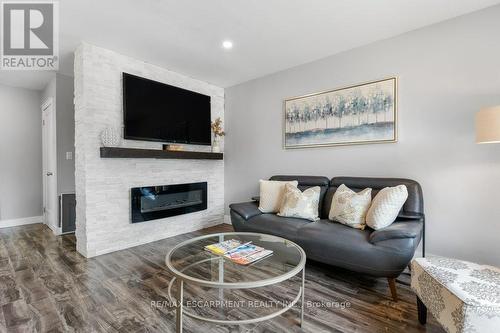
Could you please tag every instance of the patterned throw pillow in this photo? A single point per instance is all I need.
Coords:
(349, 207)
(271, 194)
(299, 204)
(386, 206)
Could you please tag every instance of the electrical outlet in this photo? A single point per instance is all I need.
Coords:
(69, 155)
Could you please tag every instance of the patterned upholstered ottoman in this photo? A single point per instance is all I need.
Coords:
(462, 296)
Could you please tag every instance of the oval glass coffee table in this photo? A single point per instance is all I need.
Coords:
(192, 265)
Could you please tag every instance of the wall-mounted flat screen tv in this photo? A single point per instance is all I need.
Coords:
(154, 111)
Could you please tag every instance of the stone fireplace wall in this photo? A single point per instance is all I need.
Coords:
(103, 185)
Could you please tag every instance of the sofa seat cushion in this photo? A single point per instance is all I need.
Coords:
(339, 245)
(285, 227)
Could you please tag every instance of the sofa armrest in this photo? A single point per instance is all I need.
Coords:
(246, 210)
(411, 216)
(397, 230)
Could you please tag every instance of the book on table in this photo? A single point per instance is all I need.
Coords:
(242, 254)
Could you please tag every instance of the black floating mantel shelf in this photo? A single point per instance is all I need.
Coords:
(114, 152)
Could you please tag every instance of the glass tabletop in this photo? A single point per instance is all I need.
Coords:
(190, 261)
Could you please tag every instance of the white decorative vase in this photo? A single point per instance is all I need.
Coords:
(110, 137)
(216, 144)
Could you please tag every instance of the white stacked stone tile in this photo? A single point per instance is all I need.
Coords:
(103, 185)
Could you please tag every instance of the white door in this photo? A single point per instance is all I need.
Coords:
(49, 166)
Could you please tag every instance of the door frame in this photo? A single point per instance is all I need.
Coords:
(56, 228)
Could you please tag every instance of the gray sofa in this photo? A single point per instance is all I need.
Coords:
(382, 253)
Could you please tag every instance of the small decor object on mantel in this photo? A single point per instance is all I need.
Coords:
(359, 114)
(110, 137)
(218, 133)
(171, 147)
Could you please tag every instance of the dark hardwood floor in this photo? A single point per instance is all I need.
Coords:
(46, 286)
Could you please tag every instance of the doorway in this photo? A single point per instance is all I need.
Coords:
(49, 152)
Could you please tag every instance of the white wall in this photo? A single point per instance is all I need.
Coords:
(447, 72)
(103, 185)
(20, 154)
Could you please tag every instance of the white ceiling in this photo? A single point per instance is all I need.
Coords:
(268, 35)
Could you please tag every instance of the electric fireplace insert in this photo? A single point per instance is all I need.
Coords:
(156, 202)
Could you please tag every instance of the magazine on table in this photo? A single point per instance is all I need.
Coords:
(243, 254)
(223, 247)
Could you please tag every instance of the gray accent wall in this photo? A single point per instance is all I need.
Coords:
(446, 72)
(61, 88)
(20, 153)
(65, 118)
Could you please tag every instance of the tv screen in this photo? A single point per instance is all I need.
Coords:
(155, 111)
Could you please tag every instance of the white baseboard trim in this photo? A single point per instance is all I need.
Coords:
(56, 230)
(21, 221)
(227, 219)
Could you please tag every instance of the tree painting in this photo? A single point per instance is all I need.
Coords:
(357, 114)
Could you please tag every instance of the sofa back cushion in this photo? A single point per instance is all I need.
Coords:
(414, 203)
(306, 182)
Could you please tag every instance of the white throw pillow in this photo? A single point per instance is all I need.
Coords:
(349, 207)
(386, 206)
(299, 204)
(271, 194)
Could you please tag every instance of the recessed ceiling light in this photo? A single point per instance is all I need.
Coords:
(227, 44)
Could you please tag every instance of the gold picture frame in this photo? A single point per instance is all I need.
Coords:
(343, 116)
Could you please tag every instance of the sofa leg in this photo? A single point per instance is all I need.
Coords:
(392, 286)
(422, 311)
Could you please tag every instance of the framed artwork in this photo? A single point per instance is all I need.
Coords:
(359, 114)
